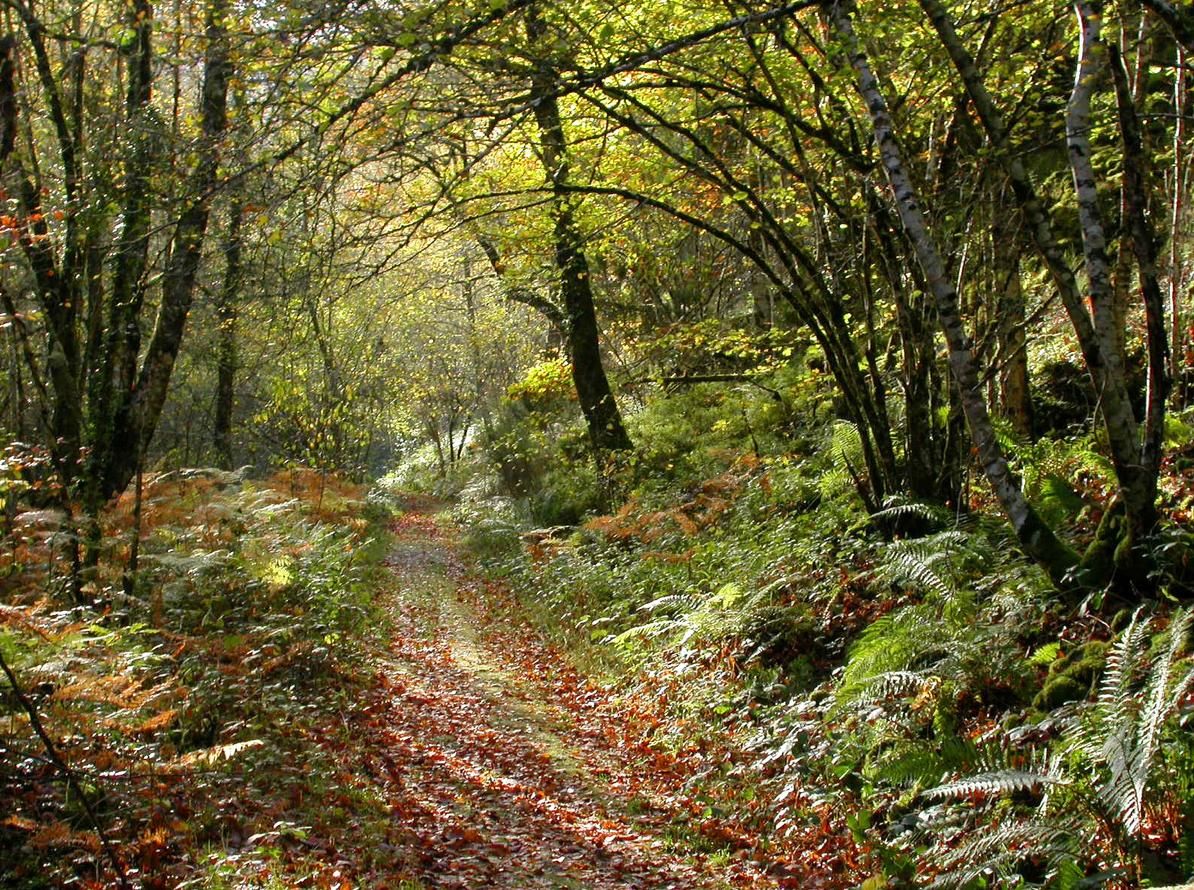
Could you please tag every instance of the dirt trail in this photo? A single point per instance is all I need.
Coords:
(487, 759)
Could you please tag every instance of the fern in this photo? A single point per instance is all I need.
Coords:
(847, 458)
(1045, 655)
(911, 763)
(1125, 722)
(1058, 501)
(904, 650)
(193, 564)
(845, 446)
(693, 617)
(1048, 468)
(895, 507)
(1001, 850)
(1119, 735)
(1003, 782)
(917, 559)
(897, 684)
(651, 630)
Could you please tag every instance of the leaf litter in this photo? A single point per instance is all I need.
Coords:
(506, 767)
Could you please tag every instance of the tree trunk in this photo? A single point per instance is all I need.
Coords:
(113, 441)
(139, 412)
(604, 420)
(1179, 174)
(441, 461)
(1015, 400)
(64, 421)
(1135, 190)
(1037, 539)
(922, 465)
(1138, 482)
(226, 358)
(762, 291)
(1097, 336)
(481, 376)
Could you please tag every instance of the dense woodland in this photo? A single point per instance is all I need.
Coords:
(813, 379)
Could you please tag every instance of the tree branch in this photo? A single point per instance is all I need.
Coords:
(71, 779)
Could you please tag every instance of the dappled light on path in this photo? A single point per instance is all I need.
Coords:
(495, 784)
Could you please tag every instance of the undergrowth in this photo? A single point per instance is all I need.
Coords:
(901, 692)
(194, 706)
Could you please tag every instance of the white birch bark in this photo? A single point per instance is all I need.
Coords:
(1097, 337)
(1036, 538)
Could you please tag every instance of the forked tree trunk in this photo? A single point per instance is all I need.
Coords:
(1137, 479)
(923, 460)
(1097, 336)
(139, 410)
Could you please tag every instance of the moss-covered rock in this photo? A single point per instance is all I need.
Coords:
(1073, 677)
(1057, 691)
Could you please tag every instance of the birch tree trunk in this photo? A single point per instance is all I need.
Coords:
(1096, 331)
(1038, 539)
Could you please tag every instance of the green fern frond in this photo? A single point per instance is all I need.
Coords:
(1003, 782)
(691, 616)
(1102, 774)
(889, 644)
(897, 684)
(682, 602)
(1058, 500)
(845, 446)
(846, 456)
(1161, 694)
(1063, 460)
(933, 638)
(1000, 851)
(648, 631)
(915, 560)
(1130, 714)
(895, 507)
(1116, 691)
(913, 763)
(1045, 655)
(195, 563)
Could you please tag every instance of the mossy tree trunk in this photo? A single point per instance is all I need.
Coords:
(604, 420)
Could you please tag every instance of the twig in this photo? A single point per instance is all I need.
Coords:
(71, 780)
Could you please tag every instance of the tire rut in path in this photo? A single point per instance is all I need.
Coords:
(486, 772)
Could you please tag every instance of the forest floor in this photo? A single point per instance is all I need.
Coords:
(241, 740)
(505, 767)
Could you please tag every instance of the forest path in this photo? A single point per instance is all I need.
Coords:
(498, 760)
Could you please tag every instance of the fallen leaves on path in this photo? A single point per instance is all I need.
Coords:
(508, 769)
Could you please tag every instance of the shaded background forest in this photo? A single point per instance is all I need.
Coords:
(837, 357)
